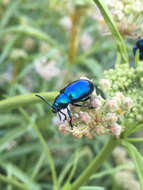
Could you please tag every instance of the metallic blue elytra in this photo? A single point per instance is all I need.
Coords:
(139, 45)
(77, 91)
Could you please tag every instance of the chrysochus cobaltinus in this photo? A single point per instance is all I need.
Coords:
(77, 91)
(139, 45)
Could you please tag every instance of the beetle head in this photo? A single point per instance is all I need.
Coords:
(54, 109)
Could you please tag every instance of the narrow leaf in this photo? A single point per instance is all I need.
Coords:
(137, 159)
(91, 188)
(22, 176)
(12, 134)
(112, 27)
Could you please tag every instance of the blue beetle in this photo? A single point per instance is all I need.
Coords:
(77, 91)
(139, 45)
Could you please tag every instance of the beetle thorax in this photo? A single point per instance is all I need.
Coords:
(61, 102)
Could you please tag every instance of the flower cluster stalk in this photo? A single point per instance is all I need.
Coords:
(96, 163)
(113, 29)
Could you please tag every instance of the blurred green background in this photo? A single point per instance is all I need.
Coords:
(44, 45)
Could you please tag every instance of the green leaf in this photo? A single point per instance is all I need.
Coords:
(112, 170)
(137, 159)
(137, 58)
(91, 188)
(6, 119)
(131, 128)
(28, 30)
(9, 12)
(6, 49)
(24, 100)
(12, 134)
(136, 140)
(74, 161)
(38, 166)
(10, 180)
(96, 72)
(112, 27)
(19, 174)
(20, 151)
(44, 145)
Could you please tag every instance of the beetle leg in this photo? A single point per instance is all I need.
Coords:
(59, 116)
(70, 115)
(86, 99)
(64, 115)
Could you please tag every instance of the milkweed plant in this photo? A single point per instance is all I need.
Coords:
(118, 111)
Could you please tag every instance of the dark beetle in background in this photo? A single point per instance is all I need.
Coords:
(139, 45)
(77, 91)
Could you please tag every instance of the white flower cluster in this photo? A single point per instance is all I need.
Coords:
(126, 14)
(47, 70)
(104, 119)
(129, 81)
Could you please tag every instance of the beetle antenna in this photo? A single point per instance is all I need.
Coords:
(44, 100)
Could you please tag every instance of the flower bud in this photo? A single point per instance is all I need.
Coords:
(111, 118)
(66, 23)
(116, 129)
(62, 127)
(89, 136)
(104, 85)
(112, 105)
(95, 102)
(99, 129)
(120, 155)
(77, 135)
(128, 103)
(84, 116)
(86, 41)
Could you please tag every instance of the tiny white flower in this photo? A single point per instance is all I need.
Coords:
(112, 105)
(86, 41)
(111, 118)
(66, 22)
(116, 129)
(128, 103)
(47, 71)
(104, 85)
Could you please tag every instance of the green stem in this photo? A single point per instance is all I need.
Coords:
(137, 58)
(118, 58)
(24, 100)
(13, 182)
(113, 29)
(95, 164)
(45, 147)
(136, 140)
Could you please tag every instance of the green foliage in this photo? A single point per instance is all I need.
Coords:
(35, 58)
(137, 159)
(128, 80)
(91, 188)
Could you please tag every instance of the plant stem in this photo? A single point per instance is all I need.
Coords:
(45, 147)
(118, 59)
(73, 42)
(113, 29)
(136, 140)
(72, 48)
(13, 182)
(23, 100)
(137, 58)
(95, 164)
